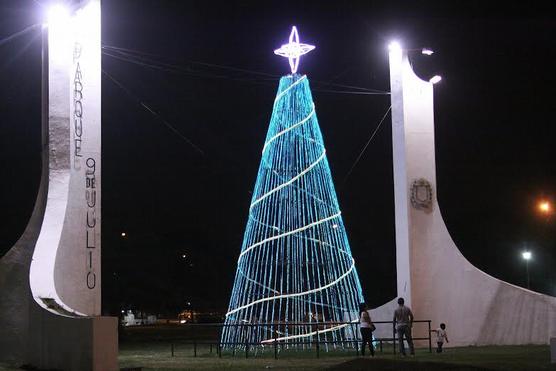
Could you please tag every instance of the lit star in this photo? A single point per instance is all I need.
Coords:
(294, 49)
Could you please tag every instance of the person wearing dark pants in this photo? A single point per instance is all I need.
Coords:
(403, 320)
(405, 331)
(366, 327)
(440, 337)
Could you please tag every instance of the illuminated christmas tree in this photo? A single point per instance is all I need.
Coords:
(295, 264)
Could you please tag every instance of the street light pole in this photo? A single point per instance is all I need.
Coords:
(545, 209)
(527, 269)
(526, 255)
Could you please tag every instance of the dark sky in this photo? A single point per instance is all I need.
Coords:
(495, 129)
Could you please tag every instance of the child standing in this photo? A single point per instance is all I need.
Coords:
(440, 337)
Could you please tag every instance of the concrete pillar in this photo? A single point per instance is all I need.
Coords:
(432, 274)
(50, 297)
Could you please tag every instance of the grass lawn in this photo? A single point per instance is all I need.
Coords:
(157, 356)
(150, 356)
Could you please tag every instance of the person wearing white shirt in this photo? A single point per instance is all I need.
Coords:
(440, 337)
(366, 327)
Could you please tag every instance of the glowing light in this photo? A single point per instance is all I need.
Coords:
(57, 15)
(300, 229)
(294, 50)
(59, 33)
(427, 51)
(290, 128)
(394, 46)
(333, 328)
(435, 79)
(544, 207)
(527, 255)
(295, 263)
(124, 234)
(296, 294)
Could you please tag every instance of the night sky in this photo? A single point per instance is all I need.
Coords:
(209, 72)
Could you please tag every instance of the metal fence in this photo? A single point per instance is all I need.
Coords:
(384, 336)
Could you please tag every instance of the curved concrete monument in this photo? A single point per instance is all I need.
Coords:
(50, 295)
(436, 280)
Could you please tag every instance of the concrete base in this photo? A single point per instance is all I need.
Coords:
(553, 350)
(74, 344)
(31, 335)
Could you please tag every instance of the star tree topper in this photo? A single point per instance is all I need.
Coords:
(294, 50)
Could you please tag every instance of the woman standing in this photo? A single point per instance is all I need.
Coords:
(367, 327)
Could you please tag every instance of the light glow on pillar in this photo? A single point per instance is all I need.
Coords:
(395, 46)
(59, 32)
(57, 15)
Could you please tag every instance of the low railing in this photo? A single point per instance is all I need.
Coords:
(276, 345)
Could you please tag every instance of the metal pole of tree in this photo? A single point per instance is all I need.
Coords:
(354, 334)
(275, 342)
(318, 345)
(430, 340)
(394, 336)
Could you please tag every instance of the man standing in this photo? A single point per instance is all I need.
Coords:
(403, 320)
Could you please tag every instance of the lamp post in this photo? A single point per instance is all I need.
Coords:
(526, 255)
(396, 47)
(435, 79)
(544, 208)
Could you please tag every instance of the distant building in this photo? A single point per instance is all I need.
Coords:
(194, 316)
(130, 319)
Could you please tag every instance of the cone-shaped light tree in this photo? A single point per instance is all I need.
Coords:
(295, 267)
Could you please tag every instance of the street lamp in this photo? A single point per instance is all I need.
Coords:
(526, 255)
(57, 14)
(394, 46)
(435, 79)
(545, 207)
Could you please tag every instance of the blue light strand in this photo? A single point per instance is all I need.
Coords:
(295, 263)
